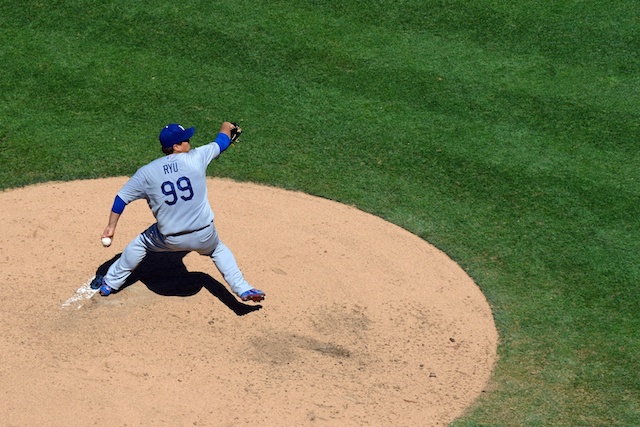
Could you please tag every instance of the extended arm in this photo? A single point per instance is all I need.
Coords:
(114, 216)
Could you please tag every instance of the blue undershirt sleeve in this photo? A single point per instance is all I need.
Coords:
(223, 141)
(118, 205)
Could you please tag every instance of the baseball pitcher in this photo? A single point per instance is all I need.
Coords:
(175, 188)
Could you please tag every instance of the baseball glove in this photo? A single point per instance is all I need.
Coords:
(236, 131)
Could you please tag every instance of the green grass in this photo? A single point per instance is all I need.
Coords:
(504, 133)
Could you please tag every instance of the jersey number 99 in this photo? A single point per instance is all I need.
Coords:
(183, 184)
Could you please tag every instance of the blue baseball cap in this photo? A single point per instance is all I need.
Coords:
(175, 134)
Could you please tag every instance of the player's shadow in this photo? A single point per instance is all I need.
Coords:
(164, 273)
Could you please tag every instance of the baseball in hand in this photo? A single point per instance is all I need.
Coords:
(106, 241)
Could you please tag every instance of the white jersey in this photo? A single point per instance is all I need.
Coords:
(175, 186)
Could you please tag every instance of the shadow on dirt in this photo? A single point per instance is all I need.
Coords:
(164, 273)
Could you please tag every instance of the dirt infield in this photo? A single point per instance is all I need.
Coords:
(364, 323)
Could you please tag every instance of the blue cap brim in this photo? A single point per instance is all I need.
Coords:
(188, 133)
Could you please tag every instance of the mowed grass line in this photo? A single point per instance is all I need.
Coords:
(506, 134)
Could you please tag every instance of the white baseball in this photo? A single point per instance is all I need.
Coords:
(106, 241)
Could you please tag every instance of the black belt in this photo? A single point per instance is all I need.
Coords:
(182, 233)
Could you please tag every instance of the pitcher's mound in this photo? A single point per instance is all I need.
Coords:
(364, 323)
